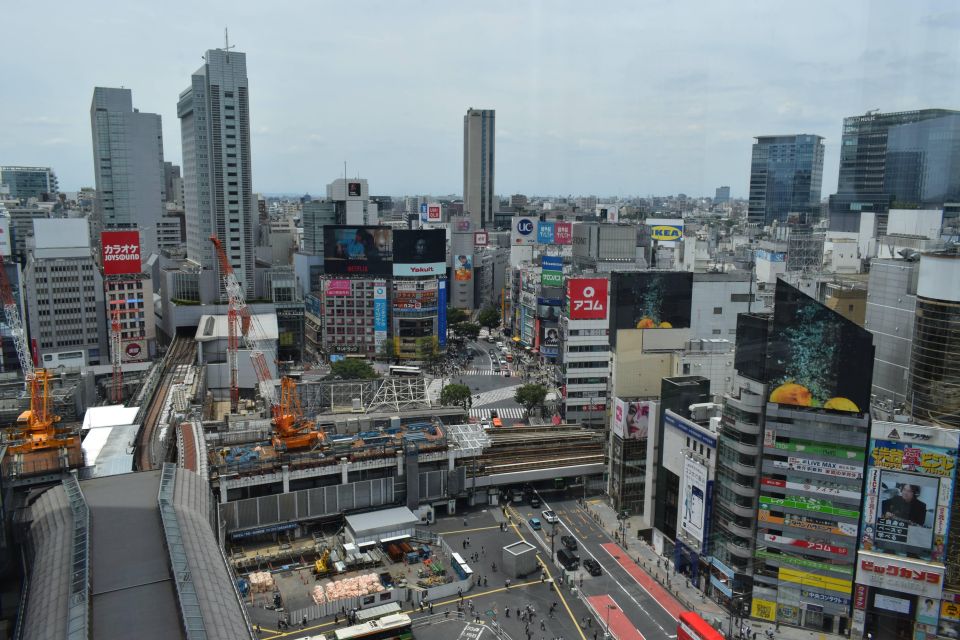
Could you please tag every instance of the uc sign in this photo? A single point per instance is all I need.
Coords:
(666, 233)
(525, 226)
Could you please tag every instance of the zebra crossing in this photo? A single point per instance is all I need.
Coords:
(510, 413)
(480, 372)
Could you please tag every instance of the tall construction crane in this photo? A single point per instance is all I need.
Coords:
(239, 321)
(291, 430)
(36, 425)
(12, 312)
(115, 357)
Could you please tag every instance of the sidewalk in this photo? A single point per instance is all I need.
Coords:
(688, 595)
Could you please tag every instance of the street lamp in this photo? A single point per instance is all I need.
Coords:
(610, 607)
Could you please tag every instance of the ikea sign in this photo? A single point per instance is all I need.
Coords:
(665, 229)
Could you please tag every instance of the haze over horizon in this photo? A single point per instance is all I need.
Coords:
(632, 100)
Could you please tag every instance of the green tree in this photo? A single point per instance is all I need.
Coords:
(388, 350)
(489, 317)
(530, 396)
(456, 395)
(455, 315)
(469, 330)
(352, 369)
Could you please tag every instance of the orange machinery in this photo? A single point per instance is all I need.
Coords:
(36, 426)
(291, 430)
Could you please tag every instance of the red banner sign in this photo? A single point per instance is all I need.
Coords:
(588, 298)
(120, 252)
(562, 232)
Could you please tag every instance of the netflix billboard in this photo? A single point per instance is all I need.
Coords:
(587, 298)
(120, 252)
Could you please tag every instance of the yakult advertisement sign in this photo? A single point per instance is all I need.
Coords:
(120, 252)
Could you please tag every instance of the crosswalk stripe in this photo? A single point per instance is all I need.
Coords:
(512, 413)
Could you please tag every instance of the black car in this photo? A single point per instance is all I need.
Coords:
(592, 566)
(569, 543)
(535, 502)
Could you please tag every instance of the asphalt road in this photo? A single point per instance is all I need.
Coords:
(481, 379)
(641, 608)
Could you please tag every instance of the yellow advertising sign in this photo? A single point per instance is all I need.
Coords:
(764, 609)
(950, 610)
(666, 233)
(817, 582)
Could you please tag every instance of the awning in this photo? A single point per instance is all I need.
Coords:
(393, 539)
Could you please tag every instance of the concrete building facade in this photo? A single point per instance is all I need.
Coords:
(64, 293)
(127, 165)
(479, 141)
(214, 114)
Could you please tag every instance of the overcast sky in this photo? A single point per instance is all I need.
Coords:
(606, 98)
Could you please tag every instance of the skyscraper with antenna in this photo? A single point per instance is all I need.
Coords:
(214, 114)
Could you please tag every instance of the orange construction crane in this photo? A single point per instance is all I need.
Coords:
(291, 430)
(35, 425)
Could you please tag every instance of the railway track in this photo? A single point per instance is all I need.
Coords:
(182, 351)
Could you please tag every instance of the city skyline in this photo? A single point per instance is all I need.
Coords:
(587, 104)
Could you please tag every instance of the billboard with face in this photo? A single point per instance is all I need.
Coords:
(421, 252)
(358, 250)
(909, 490)
(631, 419)
(463, 268)
(815, 356)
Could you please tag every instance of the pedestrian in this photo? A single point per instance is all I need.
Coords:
(304, 622)
(543, 576)
(483, 550)
(590, 624)
(594, 635)
(446, 614)
(464, 543)
(508, 583)
(485, 584)
(258, 629)
(507, 612)
(543, 626)
(336, 618)
(464, 522)
(518, 613)
(431, 611)
(468, 542)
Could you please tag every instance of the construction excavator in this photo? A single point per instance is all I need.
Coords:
(322, 566)
(291, 431)
(36, 427)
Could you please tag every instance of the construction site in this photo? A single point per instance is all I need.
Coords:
(287, 459)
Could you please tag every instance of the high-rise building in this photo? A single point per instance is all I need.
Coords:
(891, 308)
(722, 195)
(214, 114)
(790, 466)
(30, 182)
(786, 173)
(863, 182)
(316, 215)
(478, 166)
(933, 392)
(923, 163)
(64, 293)
(128, 166)
(172, 184)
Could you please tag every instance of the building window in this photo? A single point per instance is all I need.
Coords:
(717, 311)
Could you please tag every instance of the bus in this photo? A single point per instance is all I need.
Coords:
(690, 626)
(460, 566)
(397, 370)
(393, 627)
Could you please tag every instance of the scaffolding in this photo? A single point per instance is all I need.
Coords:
(804, 251)
(364, 396)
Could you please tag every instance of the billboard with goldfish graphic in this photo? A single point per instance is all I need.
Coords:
(815, 357)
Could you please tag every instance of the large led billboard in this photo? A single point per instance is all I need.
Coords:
(650, 300)
(358, 250)
(120, 252)
(815, 356)
(422, 252)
